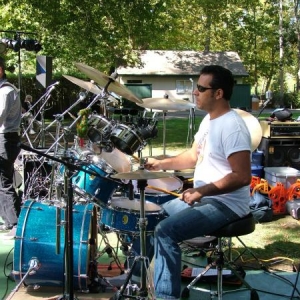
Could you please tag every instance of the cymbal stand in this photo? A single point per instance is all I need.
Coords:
(143, 291)
(191, 127)
(164, 132)
(72, 124)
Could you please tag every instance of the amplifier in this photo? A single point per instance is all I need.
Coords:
(278, 129)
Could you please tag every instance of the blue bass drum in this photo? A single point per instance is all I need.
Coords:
(40, 235)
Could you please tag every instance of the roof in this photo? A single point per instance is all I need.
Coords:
(158, 62)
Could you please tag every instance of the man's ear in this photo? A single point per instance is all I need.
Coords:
(219, 93)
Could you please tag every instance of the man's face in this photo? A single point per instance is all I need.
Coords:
(204, 94)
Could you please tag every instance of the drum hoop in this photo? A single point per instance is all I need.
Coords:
(134, 211)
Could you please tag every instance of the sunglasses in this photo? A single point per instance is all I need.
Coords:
(202, 89)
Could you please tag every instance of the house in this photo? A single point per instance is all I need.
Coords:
(176, 73)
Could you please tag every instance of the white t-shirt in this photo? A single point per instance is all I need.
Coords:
(217, 139)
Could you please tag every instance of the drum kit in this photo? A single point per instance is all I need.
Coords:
(92, 187)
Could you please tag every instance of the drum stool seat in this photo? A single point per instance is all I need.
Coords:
(242, 226)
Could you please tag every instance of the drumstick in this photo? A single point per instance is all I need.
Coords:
(189, 179)
(163, 190)
(135, 157)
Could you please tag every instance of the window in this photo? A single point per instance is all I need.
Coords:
(184, 86)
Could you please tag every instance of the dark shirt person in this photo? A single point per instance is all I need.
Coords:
(10, 119)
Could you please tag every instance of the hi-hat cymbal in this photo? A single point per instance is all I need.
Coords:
(103, 79)
(253, 127)
(166, 104)
(141, 174)
(89, 86)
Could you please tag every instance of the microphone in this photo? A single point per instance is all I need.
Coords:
(51, 87)
(266, 102)
(53, 84)
(82, 95)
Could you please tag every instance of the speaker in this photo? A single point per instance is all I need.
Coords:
(280, 152)
(44, 71)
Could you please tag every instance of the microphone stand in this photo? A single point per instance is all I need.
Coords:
(263, 107)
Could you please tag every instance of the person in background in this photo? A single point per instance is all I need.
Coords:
(221, 156)
(27, 113)
(10, 120)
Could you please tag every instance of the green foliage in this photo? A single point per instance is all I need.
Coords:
(103, 34)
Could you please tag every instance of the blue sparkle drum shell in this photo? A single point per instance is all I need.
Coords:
(123, 215)
(37, 237)
(98, 188)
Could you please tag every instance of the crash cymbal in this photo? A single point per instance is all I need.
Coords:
(166, 104)
(103, 79)
(253, 127)
(141, 174)
(89, 86)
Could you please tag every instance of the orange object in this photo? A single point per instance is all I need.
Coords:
(262, 187)
(255, 180)
(293, 192)
(278, 196)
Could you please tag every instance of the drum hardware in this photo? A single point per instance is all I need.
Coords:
(165, 104)
(141, 175)
(69, 258)
(68, 129)
(41, 112)
(34, 265)
(109, 250)
(108, 81)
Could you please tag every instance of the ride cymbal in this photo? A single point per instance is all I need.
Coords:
(103, 79)
(89, 86)
(166, 104)
(141, 174)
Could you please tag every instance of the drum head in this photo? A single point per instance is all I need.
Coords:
(123, 203)
(117, 160)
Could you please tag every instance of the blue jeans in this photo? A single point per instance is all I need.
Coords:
(10, 202)
(184, 222)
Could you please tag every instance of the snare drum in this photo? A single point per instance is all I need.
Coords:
(41, 235)
(99, 188)
(126, 139)
(123, 215)
(99, 128)
(172, 184)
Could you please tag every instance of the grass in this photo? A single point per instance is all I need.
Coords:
(275, 243)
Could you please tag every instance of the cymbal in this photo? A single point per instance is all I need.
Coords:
(166, 104)
(102, 79)
(141, 174)
(253, 127)
(89, 86)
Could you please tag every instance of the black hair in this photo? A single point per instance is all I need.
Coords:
(222, 78)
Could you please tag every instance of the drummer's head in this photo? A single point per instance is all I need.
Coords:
(222, 78)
